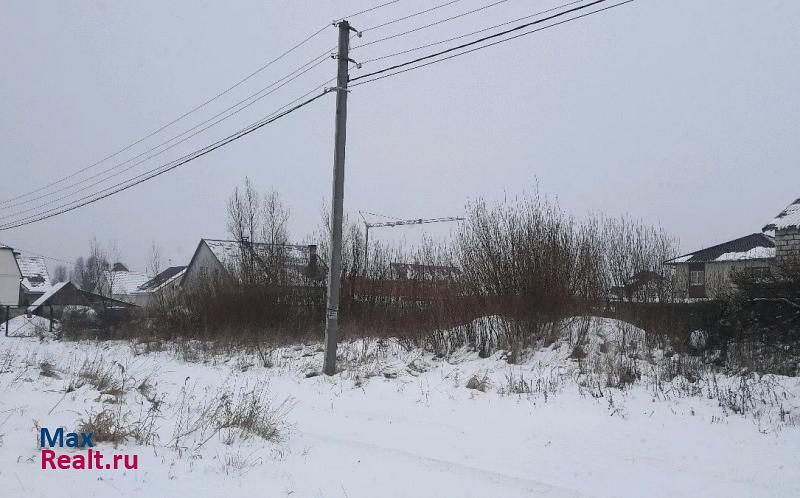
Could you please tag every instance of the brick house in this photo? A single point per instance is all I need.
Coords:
(785, 228)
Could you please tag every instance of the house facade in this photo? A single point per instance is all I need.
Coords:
(10, 277)
(708, 273)
(214, 259)
(162, 288)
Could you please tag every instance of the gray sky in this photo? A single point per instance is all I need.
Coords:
(679, 112)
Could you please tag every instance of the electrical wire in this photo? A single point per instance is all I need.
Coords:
(410, 16)
(170, 123)
(426, 26)
(483, 30)
(172, 146)
(26, 251)
(278, 114)
(465, 45)
(367, 10)
(163, 169)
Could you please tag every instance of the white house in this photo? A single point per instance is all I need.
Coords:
(10, 277)
(214, 259)
(164, 286)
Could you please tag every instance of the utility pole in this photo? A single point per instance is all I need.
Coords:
(335, 266)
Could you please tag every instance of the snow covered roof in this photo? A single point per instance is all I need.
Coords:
(753, 246)
(125, 282)
(35, 277)
(162, 279)
(47, 295)
(228, 252)
(299, 259)
(788, 218)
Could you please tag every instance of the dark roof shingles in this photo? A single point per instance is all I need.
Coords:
(742, 244)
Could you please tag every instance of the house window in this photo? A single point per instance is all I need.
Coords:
(759, 272)
(697, 278)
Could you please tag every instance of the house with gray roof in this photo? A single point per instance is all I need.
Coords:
(707, 273)
(160, 288)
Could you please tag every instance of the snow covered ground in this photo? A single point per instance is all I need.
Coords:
(396, 422)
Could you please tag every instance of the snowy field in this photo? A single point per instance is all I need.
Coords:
(395, 422)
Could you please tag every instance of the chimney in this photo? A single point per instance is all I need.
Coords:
(313, 263)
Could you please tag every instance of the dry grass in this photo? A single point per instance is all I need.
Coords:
(107, 426)
(481, 384)
(231, 414)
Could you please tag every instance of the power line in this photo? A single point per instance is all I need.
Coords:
(163, 169)
(167, 125)
(410, 16)
(430, 56)
(483, 30)
(167, 164)
(23, 250)
(426, 26)
(368, 10)
(214, 123)
(196, 108)
(367, 78)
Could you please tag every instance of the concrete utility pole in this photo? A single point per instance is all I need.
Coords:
(335, 266)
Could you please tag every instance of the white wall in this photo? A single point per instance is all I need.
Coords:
(204, 266)
(9, 278)
(718, 275)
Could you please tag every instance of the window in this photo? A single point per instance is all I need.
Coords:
(759, 272)
(697, 278)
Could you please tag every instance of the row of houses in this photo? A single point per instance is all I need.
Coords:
(702, 274)
(212, 259)
(25, 280)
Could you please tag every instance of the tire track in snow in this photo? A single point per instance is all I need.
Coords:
(517, 483)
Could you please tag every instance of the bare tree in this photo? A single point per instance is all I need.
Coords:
(634, 254)
(88, 271)
(153, 260)
(274, 219)
(243, 225)
(60, 274)
(274, 237)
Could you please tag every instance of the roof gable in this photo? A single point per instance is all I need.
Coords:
(788, 218)
(163, 278)
(753, 246)
(35, 277)
(228, 252)
(125, 282)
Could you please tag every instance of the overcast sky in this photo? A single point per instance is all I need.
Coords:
(681, 112)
